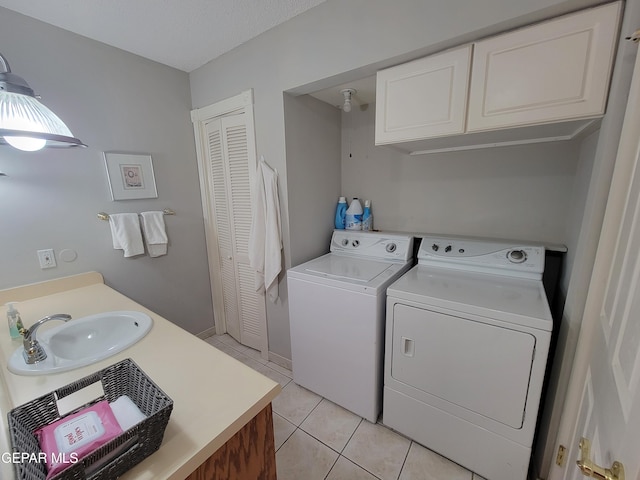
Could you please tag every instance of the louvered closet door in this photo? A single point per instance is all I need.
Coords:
(231, 172)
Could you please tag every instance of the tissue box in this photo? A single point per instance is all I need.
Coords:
(110, 460)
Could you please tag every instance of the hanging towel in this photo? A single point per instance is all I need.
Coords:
(125, 231)
(265, 238)
(155, 234)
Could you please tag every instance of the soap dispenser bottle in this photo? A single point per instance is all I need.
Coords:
(14, 320)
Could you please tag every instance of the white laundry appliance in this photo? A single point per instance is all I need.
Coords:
(467, 339)
(337, 314)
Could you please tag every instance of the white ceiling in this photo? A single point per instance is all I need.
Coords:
(184, 34)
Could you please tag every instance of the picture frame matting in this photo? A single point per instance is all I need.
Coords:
(130, 176)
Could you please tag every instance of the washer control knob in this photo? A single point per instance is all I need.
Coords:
(356, 243)
(435, 247)
(345, 242)
(517, 256)
(391, 247)
(447, 248)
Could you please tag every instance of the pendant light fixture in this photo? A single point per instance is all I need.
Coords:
(25, 123)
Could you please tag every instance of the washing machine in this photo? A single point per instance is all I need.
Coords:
(467, 338)
(337, 314)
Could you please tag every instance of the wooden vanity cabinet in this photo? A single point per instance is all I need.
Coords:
(249, 454)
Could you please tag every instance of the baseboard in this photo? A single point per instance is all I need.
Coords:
(209, 332)
(280, 360)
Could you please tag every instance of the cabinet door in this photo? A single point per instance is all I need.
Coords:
(424, 98)
(553, 71)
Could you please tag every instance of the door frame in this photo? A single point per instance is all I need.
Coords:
(238, 104)
(607, 244)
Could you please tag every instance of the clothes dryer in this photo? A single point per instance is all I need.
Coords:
(337, 314)
(467, 339)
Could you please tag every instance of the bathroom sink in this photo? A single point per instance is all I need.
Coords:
(84, 341)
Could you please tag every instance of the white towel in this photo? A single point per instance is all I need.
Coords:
(125, 231)
(155, 234)
(265, 238)
(126, 412)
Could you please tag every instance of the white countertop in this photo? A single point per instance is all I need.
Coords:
(214, 395)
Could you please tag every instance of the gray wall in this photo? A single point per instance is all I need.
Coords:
(113, 101)
(521, 192)
(313, 139)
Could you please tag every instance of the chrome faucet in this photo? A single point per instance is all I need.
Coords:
(33, 352)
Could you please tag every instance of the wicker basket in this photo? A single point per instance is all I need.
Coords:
(111, 459)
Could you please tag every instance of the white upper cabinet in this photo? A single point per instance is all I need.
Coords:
(543, 82)
(423, 98)
(557, 70)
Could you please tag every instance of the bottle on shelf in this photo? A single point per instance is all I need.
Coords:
(341, 211)
(353, 217)
(367, 216)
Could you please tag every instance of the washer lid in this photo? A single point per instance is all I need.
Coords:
(348, 273)
(346, 268)
(514, 300)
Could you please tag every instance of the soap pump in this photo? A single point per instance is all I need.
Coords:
(14, 320)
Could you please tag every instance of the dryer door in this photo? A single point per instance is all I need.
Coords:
(480, 367)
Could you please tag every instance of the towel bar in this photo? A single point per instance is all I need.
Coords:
(105, 216)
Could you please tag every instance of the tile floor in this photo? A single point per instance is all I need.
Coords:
(317, 439)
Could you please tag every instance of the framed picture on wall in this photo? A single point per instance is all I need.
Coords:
(130, 176)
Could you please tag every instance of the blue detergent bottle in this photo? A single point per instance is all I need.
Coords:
(341, 212)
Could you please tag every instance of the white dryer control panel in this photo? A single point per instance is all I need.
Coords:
(479, 255)
(380, 245)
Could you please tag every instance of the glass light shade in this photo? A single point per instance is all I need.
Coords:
(27, 124)
(26, 144)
